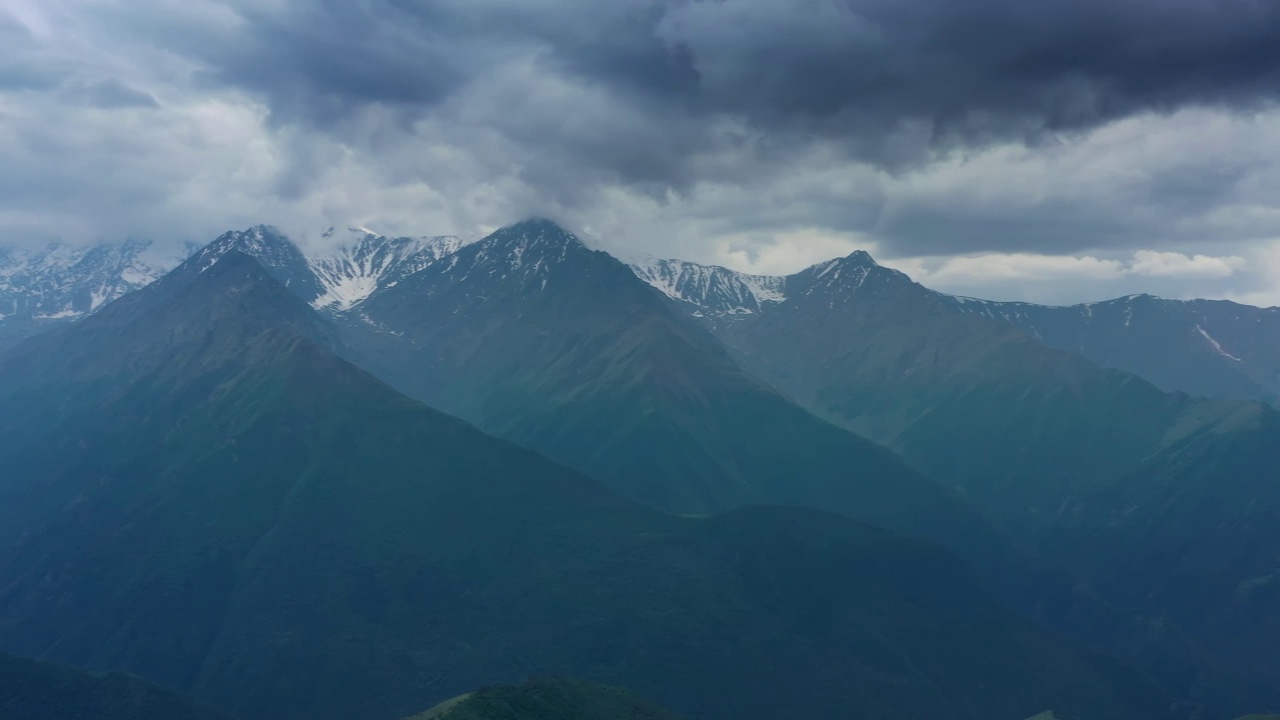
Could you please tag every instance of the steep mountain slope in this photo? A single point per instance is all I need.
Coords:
(1196, 522)
(968, 399)
(351, 266)
(549, 699)
(539, 340)
(1209, 348)
(59, 283)
(1049, 444)
(212, 500)
(32, 690)
(275, 252)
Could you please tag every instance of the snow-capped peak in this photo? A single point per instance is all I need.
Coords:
(712, 289)
(263, 242)
(532, 246)
(368, 262)
(845, 274)
(60, 282)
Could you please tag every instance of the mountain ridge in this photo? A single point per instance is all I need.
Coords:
(1211, 348)
(1043, 441)
(278, 531)
(59, 283)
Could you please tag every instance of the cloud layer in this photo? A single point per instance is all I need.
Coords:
(760, 133)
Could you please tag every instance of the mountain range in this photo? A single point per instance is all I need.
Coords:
(1073, 458)
(1081, 495)
(1205, 348)
(198, 491)
(59, 283)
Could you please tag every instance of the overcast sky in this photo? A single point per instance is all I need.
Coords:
(1054, 150)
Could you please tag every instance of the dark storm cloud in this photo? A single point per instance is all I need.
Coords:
(969, 71)
(660, 95)
(924, 126)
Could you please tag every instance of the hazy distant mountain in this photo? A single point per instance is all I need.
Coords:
(1201, 347)
(366, 262)
(195, 490)
(58, 283)
(1054, 447)
(356, 263)
(277, 254)
(1209, 348)
(31, 690)
(540, 340)
(708, 290)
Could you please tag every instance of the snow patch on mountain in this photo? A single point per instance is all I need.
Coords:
(526, 251)
(367, 262)
(1217, 346)
(262, 242)
(713, 289)
(60, 282)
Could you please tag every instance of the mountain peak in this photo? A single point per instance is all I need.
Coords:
(535, 233)
(260, 241)
(845, 277)
(231, 284)
(60, 282)
(367, 262)
(276, 254)
(191, 320)
(528, 249)
(860, 257)
(538, 224)
(710, 290)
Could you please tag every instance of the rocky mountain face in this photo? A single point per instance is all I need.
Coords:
(710, 291)
(1207, 348)
(59, 283)
(366, 262)
(540, 340)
